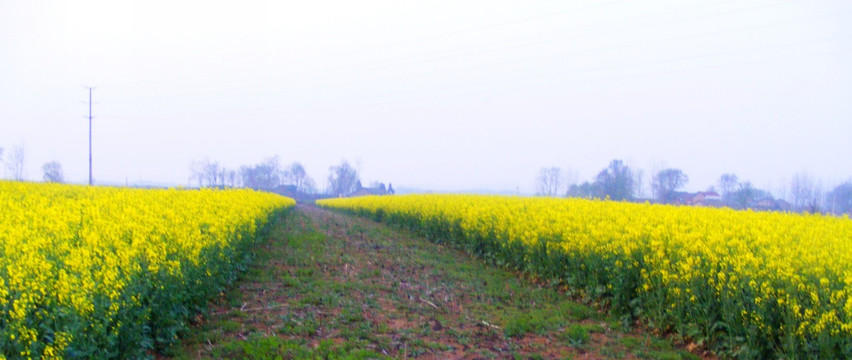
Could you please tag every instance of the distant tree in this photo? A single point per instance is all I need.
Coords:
(390, 189)
(296, 175)
(804, 194)
(52, 172)
(208, 173)
(615, 181)
(548, 181)
(309, 186)
(728, 184)
(380, 186)
(343, 179)
(214, 174)
(251, 177)
(15, 163)
(585, 190)
(744, 196)
(231, 178)
(638, 183)
(666, 182)
(839, 199)
(761, 195)
(263, 176)
(570, 178)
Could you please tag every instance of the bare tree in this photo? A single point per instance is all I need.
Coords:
(571, 178)
(213, 173)
(728, 185)
(263, 176)
(817, 201)
(839, 199)
(208, 173)
(666, 182)
(196, 172)
(15, 164)
(52, 172)
(276, 172)
(342, 179)
(309, 186)
(638, 183)
(296, 175)
(744, 196)
(804, 194)
(800, 190)
(231, 177)
(548, 181)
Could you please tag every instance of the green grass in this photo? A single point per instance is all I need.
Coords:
(270, 347)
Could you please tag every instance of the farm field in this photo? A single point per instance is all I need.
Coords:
(744, 284)
(331, 285)
(99, 272)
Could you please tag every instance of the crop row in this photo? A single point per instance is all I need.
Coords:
(96, 272)
(745, 284)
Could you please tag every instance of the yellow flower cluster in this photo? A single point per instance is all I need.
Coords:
(77, 263)
(775, 284)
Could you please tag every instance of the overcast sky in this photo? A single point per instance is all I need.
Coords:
(448, 95)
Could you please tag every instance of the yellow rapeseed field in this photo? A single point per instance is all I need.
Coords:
(746, 284)
(99, 272)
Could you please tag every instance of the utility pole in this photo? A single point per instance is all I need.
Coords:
(90, 136)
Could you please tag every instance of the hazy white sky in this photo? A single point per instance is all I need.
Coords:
(451, 95)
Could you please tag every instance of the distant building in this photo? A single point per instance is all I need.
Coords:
(770, 204)
(706, 198)
(378, 189)
(701, 198)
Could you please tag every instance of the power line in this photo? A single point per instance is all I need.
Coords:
(90, 134)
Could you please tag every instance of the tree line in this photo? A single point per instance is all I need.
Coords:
(292, 180)
(617, 181)
(620, 182)
(267, 175)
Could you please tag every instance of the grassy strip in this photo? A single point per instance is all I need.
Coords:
(334, 286)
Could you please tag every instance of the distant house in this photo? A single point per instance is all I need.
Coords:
(706, 198)
(770, 204)
(682, 198)
(379, 189)
(701, 198)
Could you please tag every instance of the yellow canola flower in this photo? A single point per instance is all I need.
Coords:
(72, 251)
(792, 267)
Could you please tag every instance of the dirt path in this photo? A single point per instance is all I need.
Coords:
(327, 285)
